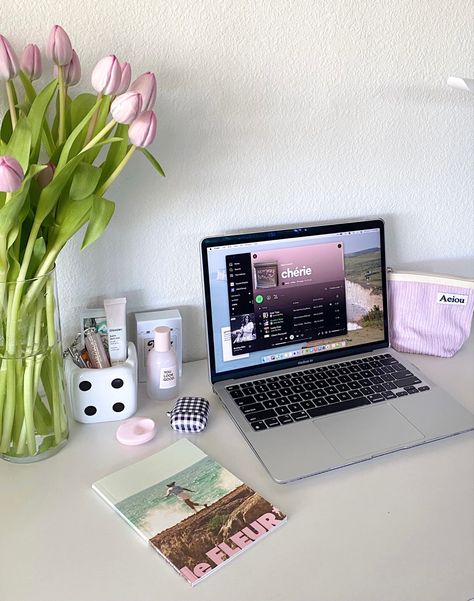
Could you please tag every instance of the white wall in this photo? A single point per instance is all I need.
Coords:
(274, 112)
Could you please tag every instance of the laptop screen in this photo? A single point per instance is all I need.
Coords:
(282, 298)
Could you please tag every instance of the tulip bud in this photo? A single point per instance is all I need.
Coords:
(8, 60)
(72, 72)
(146, 85)
(106, 75)
(31, 63)
(59, 48)
(126, 107)
(142, 131)
(44, 177)
(11, 174)
(126, 77)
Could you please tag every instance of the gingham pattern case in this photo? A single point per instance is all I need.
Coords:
(189, 414)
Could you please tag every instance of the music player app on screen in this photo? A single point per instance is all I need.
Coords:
(282, 299)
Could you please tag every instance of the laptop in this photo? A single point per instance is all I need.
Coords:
(299, 352)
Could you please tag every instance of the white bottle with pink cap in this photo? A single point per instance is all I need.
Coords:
(162, 367)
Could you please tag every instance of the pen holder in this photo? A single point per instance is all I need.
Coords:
(103, 395)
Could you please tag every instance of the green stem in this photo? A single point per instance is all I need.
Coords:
(12, 319)
(117, 171)
(55, 402)
(22, 440)
(45, 267)
(3, 388)
(48, 140)
(11, 103)
(103, 132)
(93, 121)
(27, 432)
(19, 411)
(9, 405)
(62, 106)
(39, 357)
(11, 340)
(3, 293)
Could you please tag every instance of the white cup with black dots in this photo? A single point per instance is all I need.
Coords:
(103, 395)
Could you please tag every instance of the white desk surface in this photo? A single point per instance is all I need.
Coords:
(400, 527)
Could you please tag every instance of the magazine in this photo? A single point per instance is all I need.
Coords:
(193, 511)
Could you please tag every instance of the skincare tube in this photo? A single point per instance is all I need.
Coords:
(116, 328)
(95, 349)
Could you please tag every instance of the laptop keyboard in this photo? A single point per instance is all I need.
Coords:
(288, 398)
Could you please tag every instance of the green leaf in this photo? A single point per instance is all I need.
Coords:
(13, 234)
(77, 215)
(36, 116)
(9, 216)
(72, 137)
(80, 106)
(29, 89)
(116, 153)
(152, 160)
(21, 216)
(39, 250)
(48, 141)
(42, 418)
(113, 140)
(20, 143)
(6, 128)
(54, 158)
(85, 181)
(13, 267)
(101, 121)
(101, 214)
(50, 194)
(10, 212)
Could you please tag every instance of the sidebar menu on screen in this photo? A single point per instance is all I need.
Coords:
(239, 284)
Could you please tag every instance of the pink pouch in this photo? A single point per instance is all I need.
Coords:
(429, 314)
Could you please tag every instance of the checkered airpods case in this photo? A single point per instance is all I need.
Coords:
(189, 414)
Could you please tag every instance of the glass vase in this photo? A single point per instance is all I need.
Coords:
(33, 421)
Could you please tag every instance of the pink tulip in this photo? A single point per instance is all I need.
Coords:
(126, 107)
(142, 131)
(126, 77)
(31, 62)
(11, 174)
(106, 75)
(9, 64)
(72, 72)
(59, 48)
(146, 85)
(44, 177)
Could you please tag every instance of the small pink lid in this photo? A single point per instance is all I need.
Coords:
(136, 430)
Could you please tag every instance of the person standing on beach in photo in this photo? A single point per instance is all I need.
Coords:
(183, 494)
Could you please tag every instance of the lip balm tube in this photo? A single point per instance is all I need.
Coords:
(116, 328)
(95, 349)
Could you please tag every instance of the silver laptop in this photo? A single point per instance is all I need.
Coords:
(299, 351)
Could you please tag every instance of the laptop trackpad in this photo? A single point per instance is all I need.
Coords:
(368, 430)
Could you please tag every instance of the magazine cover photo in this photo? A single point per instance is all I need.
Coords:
(199, 515)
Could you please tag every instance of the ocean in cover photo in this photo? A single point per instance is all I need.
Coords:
(152, 511)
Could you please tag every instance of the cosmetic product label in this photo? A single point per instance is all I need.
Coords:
(117, 345)
(168, 377)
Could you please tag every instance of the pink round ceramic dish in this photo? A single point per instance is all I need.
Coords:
(136, 430)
